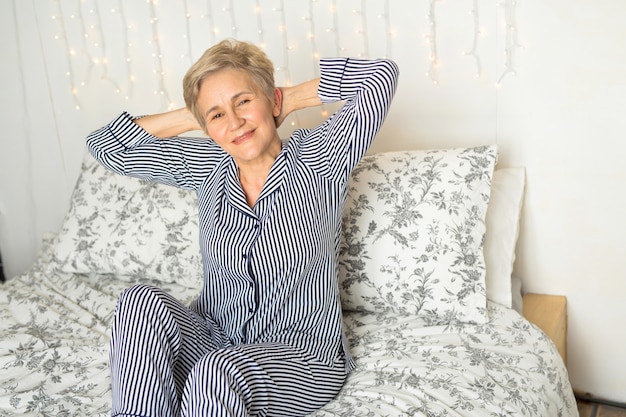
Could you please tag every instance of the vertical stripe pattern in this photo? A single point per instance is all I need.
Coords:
(271, 270)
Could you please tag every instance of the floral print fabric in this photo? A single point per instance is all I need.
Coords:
(414, 229)
(54, 348)
(129, 227)
(505, 367)
(54, 357)
(55, 318)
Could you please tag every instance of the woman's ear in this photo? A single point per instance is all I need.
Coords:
(278, 102)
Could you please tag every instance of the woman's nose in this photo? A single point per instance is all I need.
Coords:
(235, 120)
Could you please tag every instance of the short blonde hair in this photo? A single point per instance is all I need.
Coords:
(228, 54)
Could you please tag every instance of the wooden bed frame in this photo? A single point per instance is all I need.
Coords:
(549, 313)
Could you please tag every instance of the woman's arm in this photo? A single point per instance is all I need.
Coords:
(130, 146)
(366, 87)
(298, 97)
(169, 124)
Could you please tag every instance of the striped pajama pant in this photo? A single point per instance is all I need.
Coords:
(166, 360)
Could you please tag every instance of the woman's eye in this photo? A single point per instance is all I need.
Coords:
(216, 116)
(244, 101)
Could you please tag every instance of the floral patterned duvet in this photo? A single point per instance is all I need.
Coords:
(54, 357)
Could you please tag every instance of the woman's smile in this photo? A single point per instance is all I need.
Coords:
(243, 138)
(238, 113)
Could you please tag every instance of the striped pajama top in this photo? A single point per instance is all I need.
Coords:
(271, 271)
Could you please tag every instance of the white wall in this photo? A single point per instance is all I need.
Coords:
(560, 115)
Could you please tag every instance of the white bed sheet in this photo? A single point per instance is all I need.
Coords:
(506, 367)
(54, 357)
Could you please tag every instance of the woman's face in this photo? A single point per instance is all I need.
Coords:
(239, 117)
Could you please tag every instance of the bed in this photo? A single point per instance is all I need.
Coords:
(431, 312)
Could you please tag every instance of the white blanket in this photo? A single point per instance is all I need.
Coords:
(54, 357)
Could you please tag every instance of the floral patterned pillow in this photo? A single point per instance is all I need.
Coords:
(413, 235)
(131, 228)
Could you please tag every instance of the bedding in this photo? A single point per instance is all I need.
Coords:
(413, 235)
(55, 317)
(502, 222)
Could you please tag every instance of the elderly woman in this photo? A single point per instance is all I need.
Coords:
(265, 335)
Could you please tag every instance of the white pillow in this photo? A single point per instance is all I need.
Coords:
(134, 228)
(517, 303)
(413, 234)
(503, 216)
(128, 227)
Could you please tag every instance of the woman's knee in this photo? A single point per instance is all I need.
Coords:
(139, 300)
(215, 367)
(137, 306)
(227, 377)
(136, 294)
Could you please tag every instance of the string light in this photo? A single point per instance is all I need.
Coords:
(128, 61)
(32, 207)
(286, 45)
(88, 51)
(104, 60)
(286, 49)
(363, 31)
(209, 14)
(85, 49)
(335, 29)
(432, 40)
(233, 20)
(313, 38)
(71, 52)
(511, 41)
(187, 35)
(51, 97)
(388, 30)
(314, 49)
(259, 22)
(473, 52)
(158, 57)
